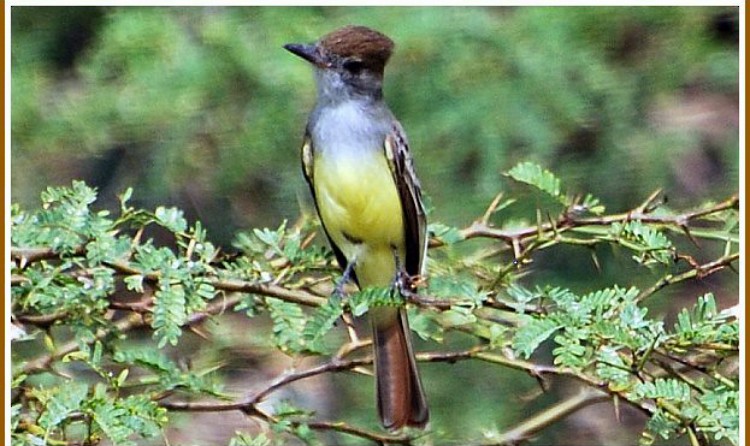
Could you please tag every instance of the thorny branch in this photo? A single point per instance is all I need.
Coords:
(482, 228)
(249, 405)
(137, 315)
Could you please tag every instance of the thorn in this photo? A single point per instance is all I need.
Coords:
(616, 402)
(307, 240)
(137, 236)
(538, 223)
(540, 379)
(198, 332)
(690, 260)
(650, 204)
(190, 249)
(349, 347)
(363, 371)
(491, 209)
(516, 251)
(553, 224)
(595, 259)
(689, 235)
(351, 331)
(731, 267)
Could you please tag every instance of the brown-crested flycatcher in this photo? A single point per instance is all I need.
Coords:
(356, 160)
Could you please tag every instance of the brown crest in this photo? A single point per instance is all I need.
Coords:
(371, 47)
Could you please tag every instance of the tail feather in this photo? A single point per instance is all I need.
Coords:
(401, 400)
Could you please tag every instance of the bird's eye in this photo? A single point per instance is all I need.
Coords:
(353, 66)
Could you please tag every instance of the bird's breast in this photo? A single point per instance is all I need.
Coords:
(357, 197)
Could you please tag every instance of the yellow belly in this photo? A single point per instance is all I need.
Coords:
(361, 210)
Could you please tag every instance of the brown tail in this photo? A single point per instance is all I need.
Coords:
(401, 401)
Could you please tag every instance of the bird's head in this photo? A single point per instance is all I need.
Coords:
(351, 59)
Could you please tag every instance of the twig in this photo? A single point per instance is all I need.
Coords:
(43, 363)
(699, 271)
(522, 241)
(597, 391)
(24, 256)
(535, 423)
(127, 323)
(514, 237)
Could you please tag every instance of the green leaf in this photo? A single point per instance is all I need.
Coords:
(107, 247)
(243, 439)
(121, 377)
(134, 282)
(570, 350)
(704, 323)
(61, 402)
(651, 245)
(457, 316)
(171, 218)
(721, 414)
(373, 296)
(662, 425)
(321, 322)
(593, 205)
(124, 198)
(611, 367)
(288, 324)
(634, 317)
(533, 175)
(447, 234)
(149, 357)
(531, 334)
(458, 287)
(521, 295)
(667, 388)
(169, 312)
(424, 325)
(272, 238)
(120, 419)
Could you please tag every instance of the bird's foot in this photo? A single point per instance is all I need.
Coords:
(338, 290)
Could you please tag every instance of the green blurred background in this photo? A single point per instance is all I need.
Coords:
(201, 108)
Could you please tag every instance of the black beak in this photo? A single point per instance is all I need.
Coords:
(308, 52)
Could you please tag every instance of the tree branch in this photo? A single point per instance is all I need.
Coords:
(598, 391)
(481, 229)
(697, 272)
(534, 424)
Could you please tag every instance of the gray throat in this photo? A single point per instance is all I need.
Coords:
(346, 121)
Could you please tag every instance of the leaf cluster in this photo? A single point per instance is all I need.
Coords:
(84, 280)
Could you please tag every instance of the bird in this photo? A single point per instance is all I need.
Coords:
(357, 163)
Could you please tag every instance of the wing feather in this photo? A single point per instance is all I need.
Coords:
(410, 193)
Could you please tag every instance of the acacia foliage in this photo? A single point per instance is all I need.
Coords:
(87, 283)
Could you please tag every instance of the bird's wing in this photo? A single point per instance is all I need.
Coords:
(409, 191)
